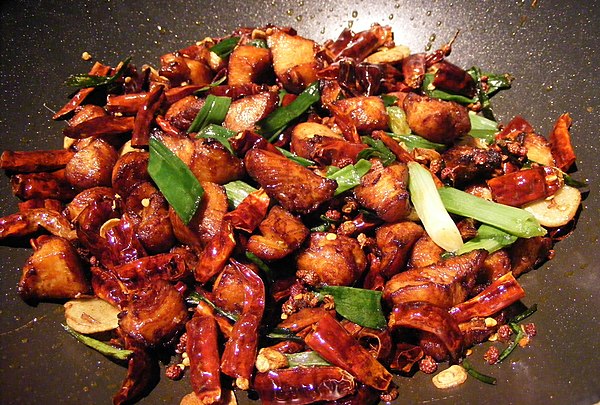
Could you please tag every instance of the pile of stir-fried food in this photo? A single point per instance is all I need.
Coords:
(295, 219)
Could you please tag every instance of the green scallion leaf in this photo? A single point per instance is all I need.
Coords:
(483, 128)
(524, 315)
(258, 43)
(434, 92)
(349, 176)
(488, 238)
(261, 265)
(84, 80)
(283, 334)
(363, 307)
(427, 202)
(298, 159)
(213, 111)
(210, 86)
(174, 180)
(476, 374)
(195, 298)
(397, 121)
(225, 47)
(236, 191)
(376, 149)
(219, 133)
(306, 359)
(388, 100)
(511, 346)
(280, 118)
(416, 141)
(104, 348)
(513, 220)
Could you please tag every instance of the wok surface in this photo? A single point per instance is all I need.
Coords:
(550, 48)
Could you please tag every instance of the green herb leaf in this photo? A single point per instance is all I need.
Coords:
(376, 149)
(298, 159)
(305, 359)
(363, 307)
(434, 92)
(349, 176)
(195, 298)
(219, 133)
(488, 238)
(174, 180)
(210, 86)
(513, 220)
(236, 191)
(483, 128)
(84, 80)
(416, 141)
(397, 121)
(225, 47)
(388, 100)
(213, 111)
(104, 348)
(275, 122)
(283, 334)
(476, 374)
(261, 265)
(258, 43)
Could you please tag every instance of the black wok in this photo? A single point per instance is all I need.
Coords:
(550, 46)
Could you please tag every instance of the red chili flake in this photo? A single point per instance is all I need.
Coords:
(504, 333)
(174, 372)
(427, 365)
(182, 344)
(492, 355)
(530, 329)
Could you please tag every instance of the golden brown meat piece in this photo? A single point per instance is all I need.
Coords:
(526, 254)
(436, 120)
(228, 290)
(443, 284)
(367, 114)
(53, 272)
(179, 69)
(463, 164)
(395, 242)
(282, 234)
(85, 113)
(425, 253)
(249, 64)
(306, 135)
(296, 188)
(212, 162)
(87, 197)
(130, 170)
(245, 112)
(92, 166)
(294, 60)
(154, 230)
(206, 222)
(384, 190)
(154, 314)
(181, 113)
(330, 259)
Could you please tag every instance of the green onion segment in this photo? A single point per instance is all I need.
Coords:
(433, 215)
(225, 47)
(84, 80)
(219, 133)
(358, 305)
(488, 238)
(482, 128)
(275, 122)
(236, 191)
(349, 176)
(305, 359)
(513, 220)
(213, 111)
(174, 180)
(104, 348)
